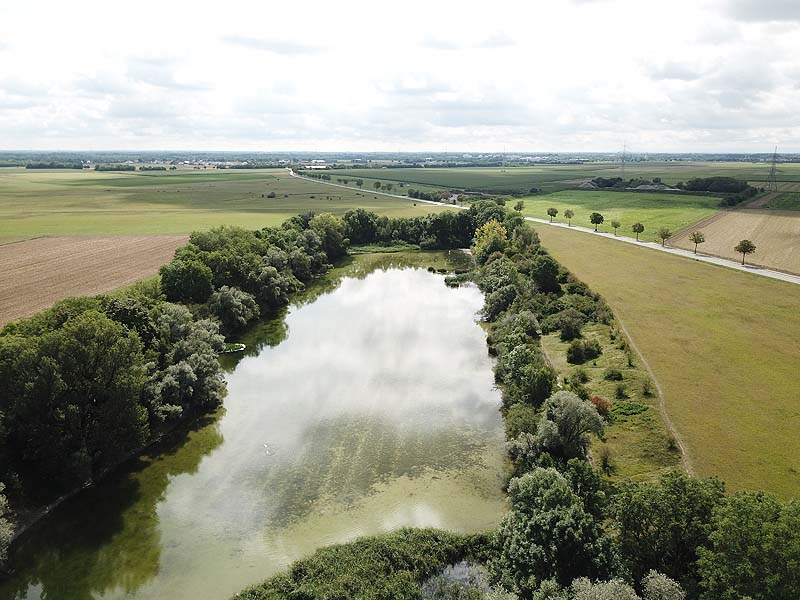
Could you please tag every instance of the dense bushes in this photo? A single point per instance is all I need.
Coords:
(386, 567)
(233, 307)
(84, 383)
(547, 535)
(579, 351)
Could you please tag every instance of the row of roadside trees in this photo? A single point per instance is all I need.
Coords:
(744, 247)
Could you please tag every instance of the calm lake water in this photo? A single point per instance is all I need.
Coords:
(365, 407)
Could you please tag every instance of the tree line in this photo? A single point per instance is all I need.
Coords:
(732, 190)
(570, 534)
(567, 525)
(743, 247)
(91, 380)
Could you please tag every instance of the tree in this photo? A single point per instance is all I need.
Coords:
(377, 185)
(233, 307)
(616, 225)
(359, 182)
(331, 231)
(655, 586)
(490, 237)
(596, 219)
(696, 238)
(568, 214)
(664, 233)
(361, 226)
(544, 272)
(547, 534)
(79, 409)
(519, 206)
(753, 549)
(552, 212)
(637, 228)
(744, 248)
(661, 525)
(186, 281)
(565, 426)
(6, 527)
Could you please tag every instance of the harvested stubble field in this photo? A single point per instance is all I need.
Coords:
(723, 344)
(776, 234)
(37, 273)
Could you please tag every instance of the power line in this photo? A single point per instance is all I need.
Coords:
(772, 182)
(623, 160)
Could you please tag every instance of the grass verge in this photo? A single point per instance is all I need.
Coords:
(722, 343)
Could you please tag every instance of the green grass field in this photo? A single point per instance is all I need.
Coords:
(636, 438)
(723, 344)
(552, 178)
(51, 203)
(674, 211)
(785, 202)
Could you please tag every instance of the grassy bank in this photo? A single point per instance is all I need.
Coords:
(723, 344)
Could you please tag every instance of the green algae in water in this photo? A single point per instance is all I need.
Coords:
(367, 406)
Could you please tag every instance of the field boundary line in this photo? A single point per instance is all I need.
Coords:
(684, 231)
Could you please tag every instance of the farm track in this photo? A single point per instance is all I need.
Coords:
(36, 273)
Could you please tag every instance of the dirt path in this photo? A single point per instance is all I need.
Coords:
(34, 274)
(662, 404)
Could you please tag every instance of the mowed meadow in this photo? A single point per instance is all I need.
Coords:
(723, 344)
(37, 203)
(674, 211)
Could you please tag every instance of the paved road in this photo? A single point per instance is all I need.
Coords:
(588, 230)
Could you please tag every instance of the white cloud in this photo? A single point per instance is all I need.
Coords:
(582, 75)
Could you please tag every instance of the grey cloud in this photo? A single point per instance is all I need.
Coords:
(102, 85)
(673, 70)
(495, 40)
(764, 10)
(19, 87)
(160, 73)
(277, 46)
(143, 108)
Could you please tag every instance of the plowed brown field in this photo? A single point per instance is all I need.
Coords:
(36, 273)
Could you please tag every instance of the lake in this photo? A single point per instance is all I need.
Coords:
(366, 406)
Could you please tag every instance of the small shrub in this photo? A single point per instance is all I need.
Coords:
(271, 195)
(579, 351)
(647, 388)
(627, 408)
(613, 375)
(604, 458)
(580, 375)
(620, 393)
(579, 390)
(602, 405)
(630, 358)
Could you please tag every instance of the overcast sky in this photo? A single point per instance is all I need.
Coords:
(548, 75)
